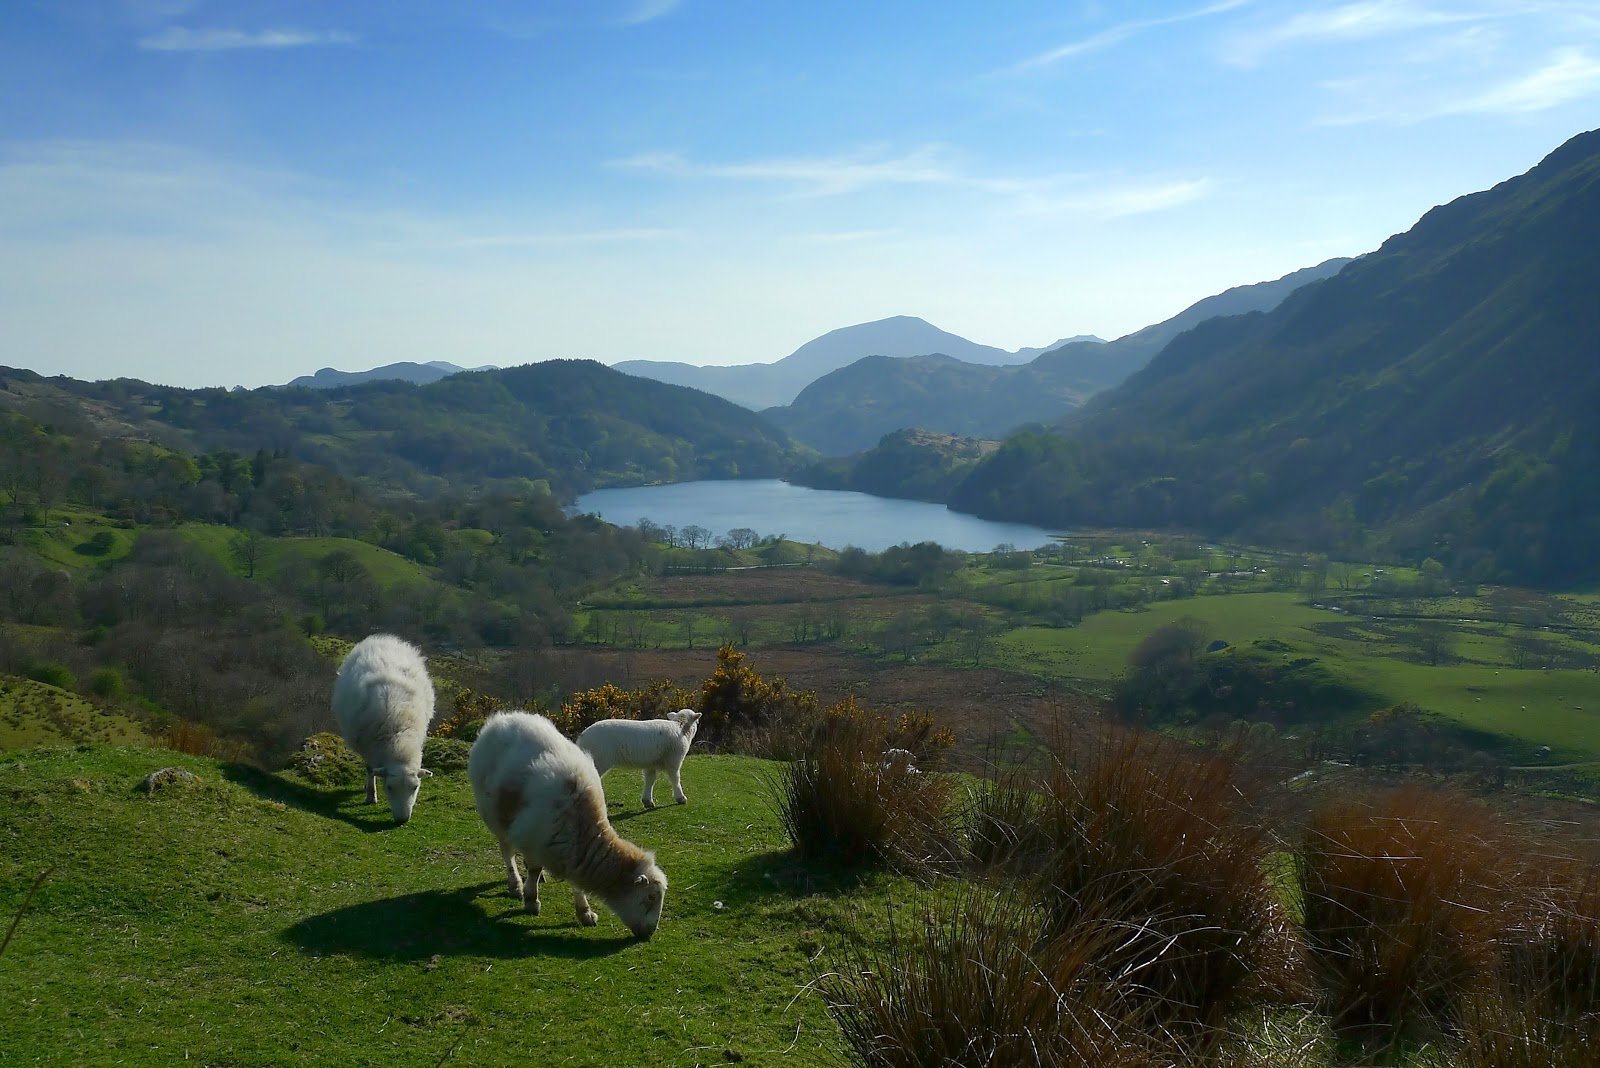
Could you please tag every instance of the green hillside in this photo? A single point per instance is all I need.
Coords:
(1436, 397)
(568, 424)
(259, 919)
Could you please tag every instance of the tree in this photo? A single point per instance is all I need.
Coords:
(246, 548)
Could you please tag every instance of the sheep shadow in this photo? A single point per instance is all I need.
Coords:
(328, 803)
(438, 923)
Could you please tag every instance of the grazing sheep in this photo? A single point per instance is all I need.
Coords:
(900, 760)
(383, 702)
(652, 744)
(539, 795)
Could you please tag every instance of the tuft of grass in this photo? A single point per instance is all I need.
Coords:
(979, 979)
(1405, 899)
(841, 803)
(1162, 837)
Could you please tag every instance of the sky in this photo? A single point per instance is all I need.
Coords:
(217, 193)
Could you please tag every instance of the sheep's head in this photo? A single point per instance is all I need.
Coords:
(638, 903)
(687, 719)
(402, 784)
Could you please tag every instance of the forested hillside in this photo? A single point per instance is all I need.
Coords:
(570, 424)
(1435, 398)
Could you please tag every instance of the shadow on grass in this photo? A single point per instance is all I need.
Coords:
(452, 923)
(781, 873)
(329, 803)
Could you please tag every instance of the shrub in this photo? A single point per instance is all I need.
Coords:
(978, 980)
(1552, 960)
(50, 673)
(609, 701)
(840, 804)
(1404, 901)
(466, 719)
(1159, 836)
(106, 682)
(736, 699)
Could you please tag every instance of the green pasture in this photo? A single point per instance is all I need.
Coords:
(36, 713)
(255, 918)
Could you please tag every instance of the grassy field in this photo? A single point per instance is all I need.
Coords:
(35, 713)
(256, 919)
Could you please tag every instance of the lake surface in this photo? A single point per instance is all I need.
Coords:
(835, 518)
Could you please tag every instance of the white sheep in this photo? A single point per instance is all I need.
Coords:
(383, 702)
(652, 744)
(540, 796)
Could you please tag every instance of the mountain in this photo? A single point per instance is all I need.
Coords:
(418, 373)
(849, 409)
(574, 424)
(765, 385)
(1436, 397)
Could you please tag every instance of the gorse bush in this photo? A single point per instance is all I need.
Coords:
(1405, 899)
(609, 701)
(978, 979)
(736, 700)
(842, 803)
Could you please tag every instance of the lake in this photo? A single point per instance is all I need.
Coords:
(835, 518)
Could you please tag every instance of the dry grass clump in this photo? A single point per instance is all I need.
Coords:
(842, 803)
(1162, 837)
(1405, 899)
(979, 979)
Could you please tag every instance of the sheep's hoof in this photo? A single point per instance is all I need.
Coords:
(647, 803)
(516, 890)
(588, 919)
(681, 800)
(531, 907)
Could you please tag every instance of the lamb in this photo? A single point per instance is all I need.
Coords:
(539, 795)
(383, 702)
(654, 745)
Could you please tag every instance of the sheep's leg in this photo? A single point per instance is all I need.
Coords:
(673, 773)
(530, 893)
(372, 786)
(580, 902)
(513, 877)
(649, 799)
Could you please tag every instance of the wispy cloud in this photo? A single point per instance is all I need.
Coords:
(1119, 199)
(816, 176)
(1363, 20)
(184, 39)
(844, 236)
(644, 11)
(1568, 74)
(934, 166)
(1115, 35)
(565, 237)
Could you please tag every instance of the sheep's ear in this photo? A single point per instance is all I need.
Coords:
(424, 773)
(640, 880)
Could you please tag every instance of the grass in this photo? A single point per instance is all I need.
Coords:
(35, 713)
(256, 919)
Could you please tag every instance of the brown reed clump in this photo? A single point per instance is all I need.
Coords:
(1405, 899)
(978, 979)
(1163, 838)
(841, 803)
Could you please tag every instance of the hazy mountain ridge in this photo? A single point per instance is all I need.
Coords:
(419, 374)
(1435, 397)
(766, 385)
(850, 409)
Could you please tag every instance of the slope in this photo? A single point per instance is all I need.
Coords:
(1436, 397)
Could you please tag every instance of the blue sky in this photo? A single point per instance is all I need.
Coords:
(214, 193)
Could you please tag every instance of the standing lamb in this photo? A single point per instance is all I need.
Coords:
(652, 744)
(539, 796)
(383, 702)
